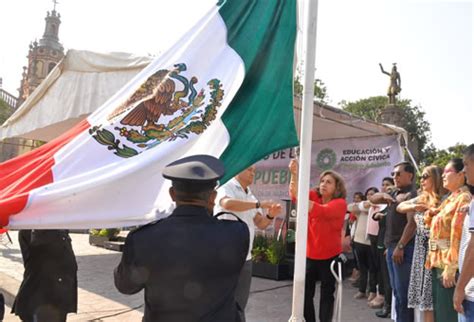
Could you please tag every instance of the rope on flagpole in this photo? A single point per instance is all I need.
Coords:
(403, 142)
(413, 160)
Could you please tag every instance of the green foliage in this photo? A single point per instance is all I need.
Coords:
(260, 244)
(319, 89)
(275, 251)
(94, 232)
(260, 241)
(367, 108)
(109, 232)
(440, 157)
(38, 143)
(268, 249)
(258, 254)
(414, 117)
(5, 111)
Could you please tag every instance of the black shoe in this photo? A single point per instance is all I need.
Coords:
(384, 313)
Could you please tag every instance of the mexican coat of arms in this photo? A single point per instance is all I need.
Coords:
(165, 107)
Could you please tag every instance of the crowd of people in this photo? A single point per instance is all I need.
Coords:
(412, 243)
(195, 265)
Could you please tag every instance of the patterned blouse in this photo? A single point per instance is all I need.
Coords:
(445, 232)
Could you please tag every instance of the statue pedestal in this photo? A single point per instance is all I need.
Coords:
(392, 114)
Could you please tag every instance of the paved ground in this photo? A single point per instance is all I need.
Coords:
(100, 301)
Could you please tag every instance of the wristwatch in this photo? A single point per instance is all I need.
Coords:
(400, 246)
(257, 204)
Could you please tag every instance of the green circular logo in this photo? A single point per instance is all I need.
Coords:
(326, 159)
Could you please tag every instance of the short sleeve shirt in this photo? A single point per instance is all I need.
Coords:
(468, 229)
(232, 189)
(395, 221)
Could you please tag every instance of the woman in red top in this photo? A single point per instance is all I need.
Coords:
(327, 208)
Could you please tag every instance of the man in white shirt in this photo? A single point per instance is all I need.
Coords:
(463, 298)
(235, 196)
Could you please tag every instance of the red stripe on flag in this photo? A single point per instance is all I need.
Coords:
(29, 171)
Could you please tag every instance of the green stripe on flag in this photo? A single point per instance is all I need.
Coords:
(260, 117)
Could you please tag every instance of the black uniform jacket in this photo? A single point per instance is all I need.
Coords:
(188, 264)
(50, 278)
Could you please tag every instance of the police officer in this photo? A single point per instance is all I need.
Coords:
(49, 288)
(189, 262)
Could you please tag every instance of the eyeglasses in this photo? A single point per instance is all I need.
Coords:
(396, 173)
(425, 176)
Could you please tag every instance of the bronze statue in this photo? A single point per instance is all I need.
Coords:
(395, 83)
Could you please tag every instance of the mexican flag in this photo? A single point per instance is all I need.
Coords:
(224, 89)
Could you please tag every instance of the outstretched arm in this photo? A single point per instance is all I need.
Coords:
(293, 167)
(383, 71)
(263, 221)
(381, 197)
(411, 205)
(293, 189)
(231, 204)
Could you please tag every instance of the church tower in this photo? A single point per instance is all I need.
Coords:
(42, 56)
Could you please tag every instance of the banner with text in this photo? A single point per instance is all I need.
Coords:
(362, 162)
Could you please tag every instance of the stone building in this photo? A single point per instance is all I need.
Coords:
(42, 56)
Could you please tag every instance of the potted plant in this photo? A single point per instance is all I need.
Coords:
(268, 256)
(98, 237)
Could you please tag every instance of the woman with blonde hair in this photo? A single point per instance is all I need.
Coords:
(445, 224)
(327, 209)
(420, 287)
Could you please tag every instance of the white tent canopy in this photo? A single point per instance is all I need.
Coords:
(334, 123)
(77, 86)
(84, 80)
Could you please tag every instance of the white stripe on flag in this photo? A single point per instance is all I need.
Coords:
(95, 188)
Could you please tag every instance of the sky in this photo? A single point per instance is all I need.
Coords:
(431, 42)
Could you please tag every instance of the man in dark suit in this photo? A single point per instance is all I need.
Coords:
(49, 288)
(189, 262)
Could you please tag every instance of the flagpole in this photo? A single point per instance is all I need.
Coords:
(305, 158)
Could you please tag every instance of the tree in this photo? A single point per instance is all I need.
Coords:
(319, 88)
(367, 108)
(413, 116)
(320, 91)
(5, 111)
(440, 157)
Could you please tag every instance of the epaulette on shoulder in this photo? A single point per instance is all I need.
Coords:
(152, 223)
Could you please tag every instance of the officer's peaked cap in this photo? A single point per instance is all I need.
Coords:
(195, 173)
